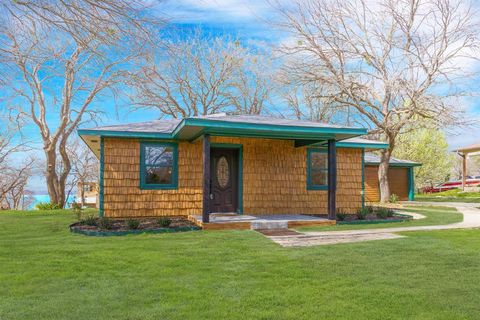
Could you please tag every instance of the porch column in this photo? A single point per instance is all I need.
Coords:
(332, 180)
(206, 179)
(464, 170)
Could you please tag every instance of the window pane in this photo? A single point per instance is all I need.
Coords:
(319, 160)
(158, 175)
(319, 178)
(318, 168)
(159, 156)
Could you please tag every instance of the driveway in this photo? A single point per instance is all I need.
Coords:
(471, 219)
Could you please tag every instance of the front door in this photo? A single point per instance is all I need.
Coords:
(224, 180)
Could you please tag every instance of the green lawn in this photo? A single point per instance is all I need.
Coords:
(455, 195)
(433, 216)
(48, 273)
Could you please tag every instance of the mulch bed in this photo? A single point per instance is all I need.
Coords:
(120, 226)
(370, 217)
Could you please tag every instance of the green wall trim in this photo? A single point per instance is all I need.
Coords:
(240, 169)
(411, 184)
(101, 182)
(346, 144)
(143, 184)
(97, 233)
(363, 178)
(311, 186)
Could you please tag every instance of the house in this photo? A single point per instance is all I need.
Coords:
(400, 178)
(88, 191)
(243, 164)
(464, 153)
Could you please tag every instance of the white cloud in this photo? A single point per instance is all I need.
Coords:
(216, 10)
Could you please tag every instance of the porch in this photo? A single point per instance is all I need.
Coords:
(232, 221)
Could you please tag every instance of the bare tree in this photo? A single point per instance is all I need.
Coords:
(61, 58)
(13, 175)
(201, 75)
(391, 61)
(85, 167)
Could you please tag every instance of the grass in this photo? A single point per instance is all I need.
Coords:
(48, 273)
(433, 216)
(454, 195)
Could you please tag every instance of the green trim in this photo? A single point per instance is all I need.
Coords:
(96, 233)
(221, 124)
(411, 184)
(240, 169)
(310, 186)
(143, 184)
(357, 145)
(378, 221)
(395, 165)
(101, 186)
(363, 178)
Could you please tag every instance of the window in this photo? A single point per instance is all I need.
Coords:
(317, 169)
(158, 165)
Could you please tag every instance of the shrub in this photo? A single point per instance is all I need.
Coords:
(105, 223)
(393, 198)
(164, 221)
(362, 213)
(90, 220)
(341, 215)
(48, 206)
(132, 223)
(385, 212)
(370, 209)
(390, 212)
(382, 213)
(77, 210)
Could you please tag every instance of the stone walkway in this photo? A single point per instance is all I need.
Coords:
(471, 219)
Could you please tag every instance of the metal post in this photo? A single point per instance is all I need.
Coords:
(206, 179)
(332, 180)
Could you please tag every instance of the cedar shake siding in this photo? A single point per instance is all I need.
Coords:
(274, 180)
(397, 179)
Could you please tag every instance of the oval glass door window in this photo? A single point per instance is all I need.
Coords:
(223, 173)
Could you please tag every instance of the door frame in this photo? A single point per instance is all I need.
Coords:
(238, 147)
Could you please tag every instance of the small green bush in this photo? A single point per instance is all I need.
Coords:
(105, 223)
(341, 215)
(132, 224)
(393, 198)
(362, 213)
(390, 212)
(164, 221)
(77, 210)
(48, 206)
(370, 209)
(384, 213)
(90, 220)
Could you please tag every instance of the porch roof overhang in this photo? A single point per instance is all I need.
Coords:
(189, 129)
(374, 160)
(473, 148)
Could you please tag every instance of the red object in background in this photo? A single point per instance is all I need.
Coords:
(450, 185)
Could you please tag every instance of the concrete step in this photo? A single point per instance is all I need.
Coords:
(264, 224)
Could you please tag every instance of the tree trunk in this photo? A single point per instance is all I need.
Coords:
(51, 175)
(383, 175)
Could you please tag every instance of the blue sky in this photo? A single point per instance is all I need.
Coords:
(248, 20)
